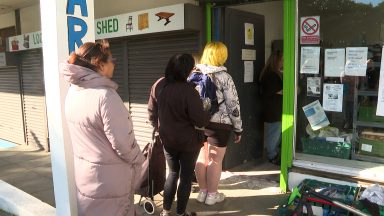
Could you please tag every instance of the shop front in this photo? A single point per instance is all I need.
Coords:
(333, 112)
(29, 72)
(142, 43)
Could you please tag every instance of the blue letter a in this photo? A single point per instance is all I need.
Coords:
(74, 37)
(83, 6)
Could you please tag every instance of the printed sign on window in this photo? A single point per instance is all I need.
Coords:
(310, 30)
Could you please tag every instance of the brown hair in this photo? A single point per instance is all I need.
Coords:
(272, 63)
(91, 55)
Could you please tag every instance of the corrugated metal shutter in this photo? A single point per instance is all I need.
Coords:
(33, 91)
(120, 74)
(147, 58)
(11, 113)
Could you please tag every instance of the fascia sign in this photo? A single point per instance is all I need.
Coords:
(25, 41)
(162, 19)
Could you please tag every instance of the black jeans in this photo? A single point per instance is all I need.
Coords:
(181, 165)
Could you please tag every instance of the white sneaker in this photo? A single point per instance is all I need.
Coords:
(201, 197)
(214, 198)
(164, 213)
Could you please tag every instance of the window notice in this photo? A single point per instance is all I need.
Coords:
(316, 115)
(333, 97)
(356, 61)
(380, 100)
(334, 62)
(310, 59)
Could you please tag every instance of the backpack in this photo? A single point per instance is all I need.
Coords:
(206, 87)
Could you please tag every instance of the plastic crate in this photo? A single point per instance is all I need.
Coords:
(368, 114)
(371, 147)
(326, 148)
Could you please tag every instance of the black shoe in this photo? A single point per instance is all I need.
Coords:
(275, 160)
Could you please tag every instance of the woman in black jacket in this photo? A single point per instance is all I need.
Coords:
(175, 109)
(271, 79)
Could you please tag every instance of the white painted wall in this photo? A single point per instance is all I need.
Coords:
(104, 8)
(273, 13)
(30, 19)
(7, 20)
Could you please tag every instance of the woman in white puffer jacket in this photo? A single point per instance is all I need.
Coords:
(223, 122)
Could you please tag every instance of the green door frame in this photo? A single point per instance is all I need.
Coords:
(288, 89)
(288, 92)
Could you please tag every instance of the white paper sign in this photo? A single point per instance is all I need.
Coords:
(316, 115)
(366, 147)
(333, 97)
(248, 71)
(356, 61)
(249, 33)
(313, 86)
(248, 54)
(380, 99)
(3, 61)
(334, 62)
(310, 59)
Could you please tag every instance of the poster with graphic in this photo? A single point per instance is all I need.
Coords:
(310, 30)
(334, 62)
(313, 86)
(333, 97)
(249, 33)
(316, 115)
(310, 60)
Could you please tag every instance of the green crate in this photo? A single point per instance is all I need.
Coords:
(368, 114)
(325, 148)
(371, 147)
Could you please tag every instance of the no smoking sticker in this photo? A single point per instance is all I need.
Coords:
(310, 30)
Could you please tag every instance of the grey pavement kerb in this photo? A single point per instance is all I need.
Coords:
(250, 189)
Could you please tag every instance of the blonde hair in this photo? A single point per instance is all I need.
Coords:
(215, 53)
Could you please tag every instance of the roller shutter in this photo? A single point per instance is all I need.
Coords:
(11, 113)
(33, 91)
(147, 58)
(120, 74)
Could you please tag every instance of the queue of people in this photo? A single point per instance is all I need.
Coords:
(107, 159)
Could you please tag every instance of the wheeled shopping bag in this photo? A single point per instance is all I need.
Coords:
(154, 169)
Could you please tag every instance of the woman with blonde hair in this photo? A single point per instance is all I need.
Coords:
(271, 79)
(227, 119)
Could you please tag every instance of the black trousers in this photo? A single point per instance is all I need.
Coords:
(181, 165)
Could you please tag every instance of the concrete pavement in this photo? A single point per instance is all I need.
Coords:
(250, 189)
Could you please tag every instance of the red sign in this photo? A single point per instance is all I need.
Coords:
(310, 30)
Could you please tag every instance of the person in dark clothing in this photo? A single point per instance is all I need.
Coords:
(175, 110)
(271, 79)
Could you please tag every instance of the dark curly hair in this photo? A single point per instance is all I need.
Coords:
(179, 67)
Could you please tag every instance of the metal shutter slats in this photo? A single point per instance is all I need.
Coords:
(35, 116)
(147, 58)
(11, 113)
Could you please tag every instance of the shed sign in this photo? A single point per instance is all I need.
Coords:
(310, 30)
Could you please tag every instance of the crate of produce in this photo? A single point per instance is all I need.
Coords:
(326, 148)
(368, 114)
(371, 147)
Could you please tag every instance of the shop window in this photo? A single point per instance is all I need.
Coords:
(340, 112)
